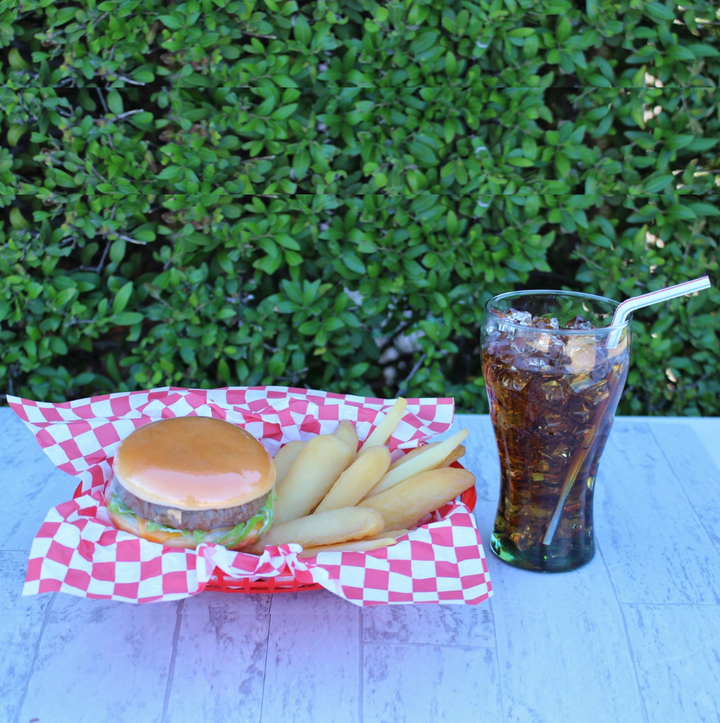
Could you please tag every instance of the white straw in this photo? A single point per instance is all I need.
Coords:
(627, 307)
(622, 312)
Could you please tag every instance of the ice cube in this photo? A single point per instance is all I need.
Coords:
(522, 318)
(540, 342)
(554, 391)
(541, 322)
(582, 353)
(538, 363)
(596, 394)
(580, 382)
(549, 344)
(579, 323)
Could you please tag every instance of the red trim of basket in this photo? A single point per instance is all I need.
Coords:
(220, 582)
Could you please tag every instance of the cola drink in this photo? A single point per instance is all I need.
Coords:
(553, 386)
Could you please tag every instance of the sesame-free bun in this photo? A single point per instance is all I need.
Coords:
(194, 463)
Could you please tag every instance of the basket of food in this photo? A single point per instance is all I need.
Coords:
(261, 490)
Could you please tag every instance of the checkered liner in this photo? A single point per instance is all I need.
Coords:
(78, 550)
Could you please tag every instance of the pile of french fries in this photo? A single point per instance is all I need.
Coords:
(332, 497)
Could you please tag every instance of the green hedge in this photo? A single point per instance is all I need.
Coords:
(324, 194)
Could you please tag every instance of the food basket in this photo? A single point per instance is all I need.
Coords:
(285, 582)
(78, 551)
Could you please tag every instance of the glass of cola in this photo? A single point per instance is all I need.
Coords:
(554, 378)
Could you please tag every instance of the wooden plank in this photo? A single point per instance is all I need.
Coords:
(707, 430)
(411, 652)
(313, 661)
(562, 649)
(101, 660)
(675, 648)
(463, 625)
(218, 665)
(12, 574)
(19, 635)
(405, 683)
(31, 483)
(481, 457)
(21, 622)
(697, 473)
(654, 547)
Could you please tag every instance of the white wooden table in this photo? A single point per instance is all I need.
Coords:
(633, 636)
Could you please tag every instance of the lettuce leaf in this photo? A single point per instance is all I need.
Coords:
(262, 520)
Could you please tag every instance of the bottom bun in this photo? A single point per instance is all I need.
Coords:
(137, 526)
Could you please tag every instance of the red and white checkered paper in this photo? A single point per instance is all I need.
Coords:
(78, 550)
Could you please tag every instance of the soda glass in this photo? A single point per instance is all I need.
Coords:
(553, 384)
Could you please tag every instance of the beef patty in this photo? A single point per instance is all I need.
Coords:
(189, 519)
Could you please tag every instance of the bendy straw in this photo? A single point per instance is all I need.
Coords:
(622, 312)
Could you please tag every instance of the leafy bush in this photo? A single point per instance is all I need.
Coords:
(219, 192)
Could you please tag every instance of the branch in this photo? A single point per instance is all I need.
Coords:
(128, 113)
(127, 80)
(102, 100)
(131, 240)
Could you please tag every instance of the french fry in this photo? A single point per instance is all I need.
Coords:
(412, 453)
(357, 480)
(387, 426)
(454, 456)
(384, 534)
(423, 461)
(346, 431)
(318, 465)
(285, 457)
(364, 545)
(325, 528)
(405, 504)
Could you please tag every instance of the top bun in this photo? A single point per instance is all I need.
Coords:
(194, 463)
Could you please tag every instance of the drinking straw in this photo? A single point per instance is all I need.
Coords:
(577, 462)
(623, 310)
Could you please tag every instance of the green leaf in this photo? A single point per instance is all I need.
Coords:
(701, 50)
(680, 141)
(122, 297)
(65, 297)
(144, 233)
(701, 144)
(658, 11)
(287, 241)
(117, 250)
(424, 42)
(423, 153)
(353, 263)
(170, 21)
(301, 164)
(284, 112)
(64, 15)
(655, 185)
(115, 102)
(704, 209)
(128, 318)
(302, 31)
(142, 120)
(562, 164)
(564, 30)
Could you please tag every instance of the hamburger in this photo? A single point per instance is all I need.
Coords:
(188, 480)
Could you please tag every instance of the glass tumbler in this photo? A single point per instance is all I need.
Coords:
(553, 382)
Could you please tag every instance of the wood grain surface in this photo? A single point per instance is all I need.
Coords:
(632, 636)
